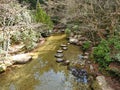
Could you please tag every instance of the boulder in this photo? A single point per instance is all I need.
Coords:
(21, 58)
(2, 68)
(101, 84)
(73, 40)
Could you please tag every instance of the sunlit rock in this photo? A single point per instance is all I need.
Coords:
(73, 40)
(21, 58)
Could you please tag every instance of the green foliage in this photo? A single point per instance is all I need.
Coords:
(86, 46)
(41, 16)
(102, 54)
(115, 42)
(107, 51)
(67, 31)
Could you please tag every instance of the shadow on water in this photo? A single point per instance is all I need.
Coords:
(42, 73)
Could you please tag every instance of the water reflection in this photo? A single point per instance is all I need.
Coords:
(52, 81)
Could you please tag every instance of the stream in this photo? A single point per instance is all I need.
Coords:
(43, 73)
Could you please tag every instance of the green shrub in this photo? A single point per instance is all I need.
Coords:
(86, 45)
(107, 51)
(41, 16)
(114, 42)
(67, 31)
(102, 54)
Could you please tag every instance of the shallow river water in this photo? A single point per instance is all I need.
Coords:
(43, 73)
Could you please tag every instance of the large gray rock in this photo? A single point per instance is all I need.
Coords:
(21, 58)
(101, 84)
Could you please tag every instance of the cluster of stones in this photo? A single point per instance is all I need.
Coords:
(80, 74)
(77, 39)
(60, 56)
